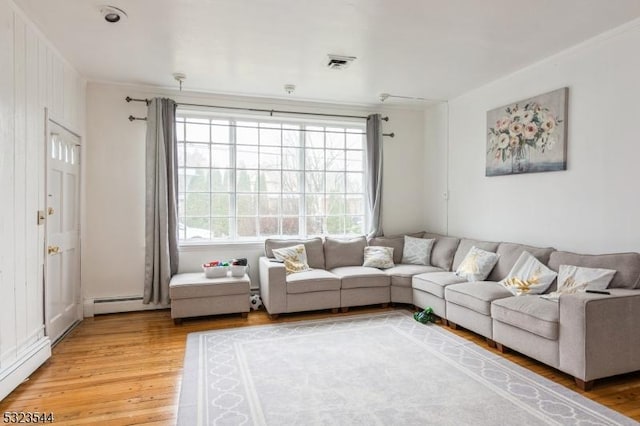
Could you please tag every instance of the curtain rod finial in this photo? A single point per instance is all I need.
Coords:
(384, 118)
(128, 99)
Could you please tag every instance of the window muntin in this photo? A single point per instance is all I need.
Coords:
(248, 179)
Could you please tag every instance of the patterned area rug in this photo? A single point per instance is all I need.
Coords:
(382, 369)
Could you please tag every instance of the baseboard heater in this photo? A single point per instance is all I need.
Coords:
(112, 305)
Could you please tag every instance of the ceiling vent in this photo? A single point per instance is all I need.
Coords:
(338, 62)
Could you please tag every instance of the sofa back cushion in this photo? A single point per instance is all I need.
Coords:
(313, 247)
(443, 250)
(394, 241)
(626, 265)
(344, 252)
(466, 244)
(509, 254)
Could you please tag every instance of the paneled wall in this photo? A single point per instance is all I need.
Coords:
(34, 78)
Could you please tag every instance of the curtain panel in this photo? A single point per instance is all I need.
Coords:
(374, 174)
(161, 207)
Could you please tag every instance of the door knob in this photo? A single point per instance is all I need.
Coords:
(53, 250)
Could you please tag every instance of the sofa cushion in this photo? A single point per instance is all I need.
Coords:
(530, 313)
(574, 279)
(313, 247)
(435, 282)
(466, 244)
(417, 251)
(395, 241)
(476, 296)
(401, 275)
(528, 276)
(361, 276)
(314, 280)
(344, 252)
(509, 253)
(626, 265)
(444, 248)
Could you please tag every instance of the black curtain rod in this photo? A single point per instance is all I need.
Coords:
(270, 111)
(132, 118)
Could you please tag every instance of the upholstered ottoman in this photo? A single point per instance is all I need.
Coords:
(194, 295)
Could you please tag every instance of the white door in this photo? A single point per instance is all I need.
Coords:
(62, 280)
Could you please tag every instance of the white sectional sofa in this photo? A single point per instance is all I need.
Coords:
(588, 336)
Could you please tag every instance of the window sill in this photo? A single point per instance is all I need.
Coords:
(208, 245)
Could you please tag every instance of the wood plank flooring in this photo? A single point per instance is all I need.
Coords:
(126, 369)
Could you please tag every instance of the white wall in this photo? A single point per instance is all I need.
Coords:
(435, 168)
(592, 207)
(113, 256)
(34, 77)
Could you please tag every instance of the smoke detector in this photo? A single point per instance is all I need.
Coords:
(289, 88)
(339, 62)
(112, 14)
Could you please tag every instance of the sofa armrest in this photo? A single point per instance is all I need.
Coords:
(599, 334)
(273, 286)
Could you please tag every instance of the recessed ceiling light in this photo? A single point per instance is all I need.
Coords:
(112, 14)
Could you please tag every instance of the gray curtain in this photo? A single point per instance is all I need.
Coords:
(161, 210)
(374, 173)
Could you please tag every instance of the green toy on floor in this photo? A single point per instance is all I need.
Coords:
(425, 316)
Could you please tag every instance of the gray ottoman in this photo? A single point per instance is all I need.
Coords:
(194, 295)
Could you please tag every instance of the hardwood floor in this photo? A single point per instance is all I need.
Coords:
(125, 369)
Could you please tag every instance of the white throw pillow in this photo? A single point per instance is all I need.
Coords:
(294, 258)
(378, 257)
(417, 251)
(574, 279)
(477, 264)
(528, 276)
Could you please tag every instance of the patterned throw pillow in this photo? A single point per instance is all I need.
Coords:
(477, 264)
(378, 257)
(528, 276)
(574, 279)
(294, 258)
(417, 251)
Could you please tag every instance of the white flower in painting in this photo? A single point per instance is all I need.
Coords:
(516, 113)
(551, 142)
(513, 141)
(493, 142)
(516, 128)
(549, 125)
(530, 130)
(527, 116)
(503, 141)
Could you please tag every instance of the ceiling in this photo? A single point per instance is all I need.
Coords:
(436, 49)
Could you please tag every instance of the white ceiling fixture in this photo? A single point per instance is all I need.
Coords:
(289, 88)
(432, 48)
(180, 78)
(339, 62)
(112, 14)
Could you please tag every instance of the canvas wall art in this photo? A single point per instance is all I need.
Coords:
(528, 136)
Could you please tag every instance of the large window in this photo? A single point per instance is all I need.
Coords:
(247, 179)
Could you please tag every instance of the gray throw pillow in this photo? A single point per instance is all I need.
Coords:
(417, 251)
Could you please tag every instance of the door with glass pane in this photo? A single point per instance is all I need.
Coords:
(62, 279)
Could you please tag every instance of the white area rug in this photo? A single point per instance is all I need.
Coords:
(383, 369)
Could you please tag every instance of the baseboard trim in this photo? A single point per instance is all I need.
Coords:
(19, 371)
(114, 305)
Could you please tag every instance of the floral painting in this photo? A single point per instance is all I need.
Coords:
(528, 136)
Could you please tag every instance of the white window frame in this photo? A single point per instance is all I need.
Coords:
(348, 126)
